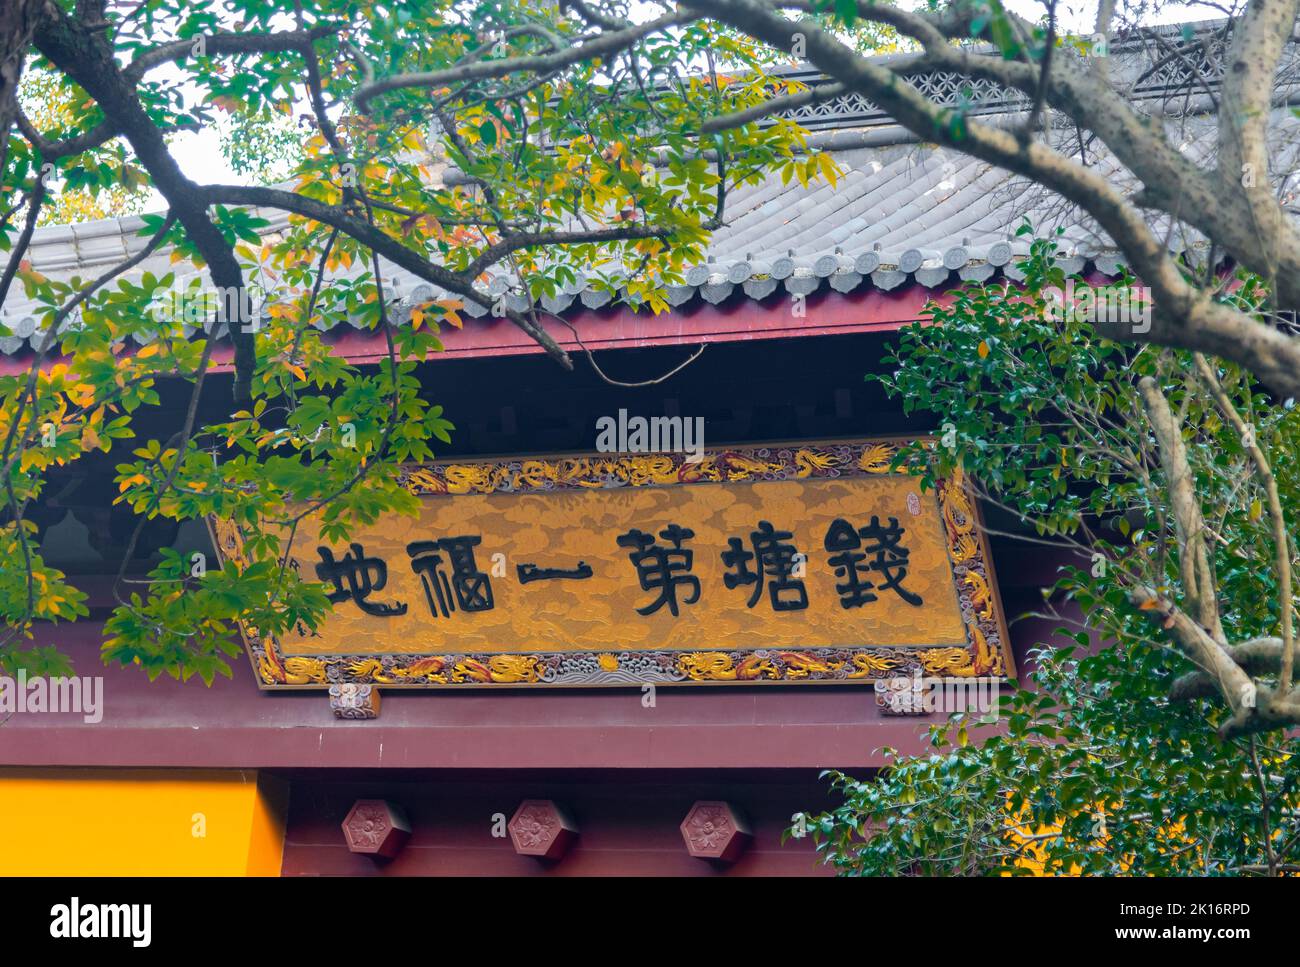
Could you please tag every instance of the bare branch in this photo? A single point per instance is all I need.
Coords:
(1194, 555)
(1185, 316)
(602, 45)
(34, 203)
(224, 43)
(512, 243)
(776, 105)
(374, 238)
(53, 150)
(1282, 547)
(1259, 656)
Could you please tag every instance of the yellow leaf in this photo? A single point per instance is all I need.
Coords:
(984, 350)
(450, 310)
(828, 168)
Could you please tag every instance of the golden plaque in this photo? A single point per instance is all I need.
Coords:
(774, 564)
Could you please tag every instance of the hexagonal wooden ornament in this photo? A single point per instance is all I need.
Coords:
(376, 827)
(543, 829)
(716, 830)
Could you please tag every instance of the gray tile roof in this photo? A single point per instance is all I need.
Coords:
(902, 213)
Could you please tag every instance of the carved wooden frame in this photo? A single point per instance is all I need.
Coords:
(987, 651)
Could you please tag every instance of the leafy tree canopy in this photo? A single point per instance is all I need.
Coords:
(592, 163)
(1135, 757)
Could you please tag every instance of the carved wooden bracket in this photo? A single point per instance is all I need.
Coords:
(376, 827)
(716, 831)
(903, 695)
(542, 828)
(353, 701)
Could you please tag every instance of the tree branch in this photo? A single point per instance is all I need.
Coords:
(819, 94)
(86, 58)
(374, 238)
(1282, 546)
(1193, 553)
(512, 243)
(602, 45)
(224, 43)
(1185, 316)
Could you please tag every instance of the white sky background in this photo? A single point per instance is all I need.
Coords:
(1080, 16)
(199, 153)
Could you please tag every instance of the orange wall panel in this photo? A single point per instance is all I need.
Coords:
(108, 822)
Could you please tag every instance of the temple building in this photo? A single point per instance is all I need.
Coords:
(631, 625)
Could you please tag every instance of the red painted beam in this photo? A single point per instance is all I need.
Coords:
(828, 313)
(622, 328)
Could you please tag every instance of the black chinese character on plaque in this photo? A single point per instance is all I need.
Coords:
(662, 569)
(528, 573)
(775, 560)
(858, 552)
(427, 562)
(472, 588)
(361, 575)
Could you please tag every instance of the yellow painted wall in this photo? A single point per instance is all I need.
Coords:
(109, 822)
